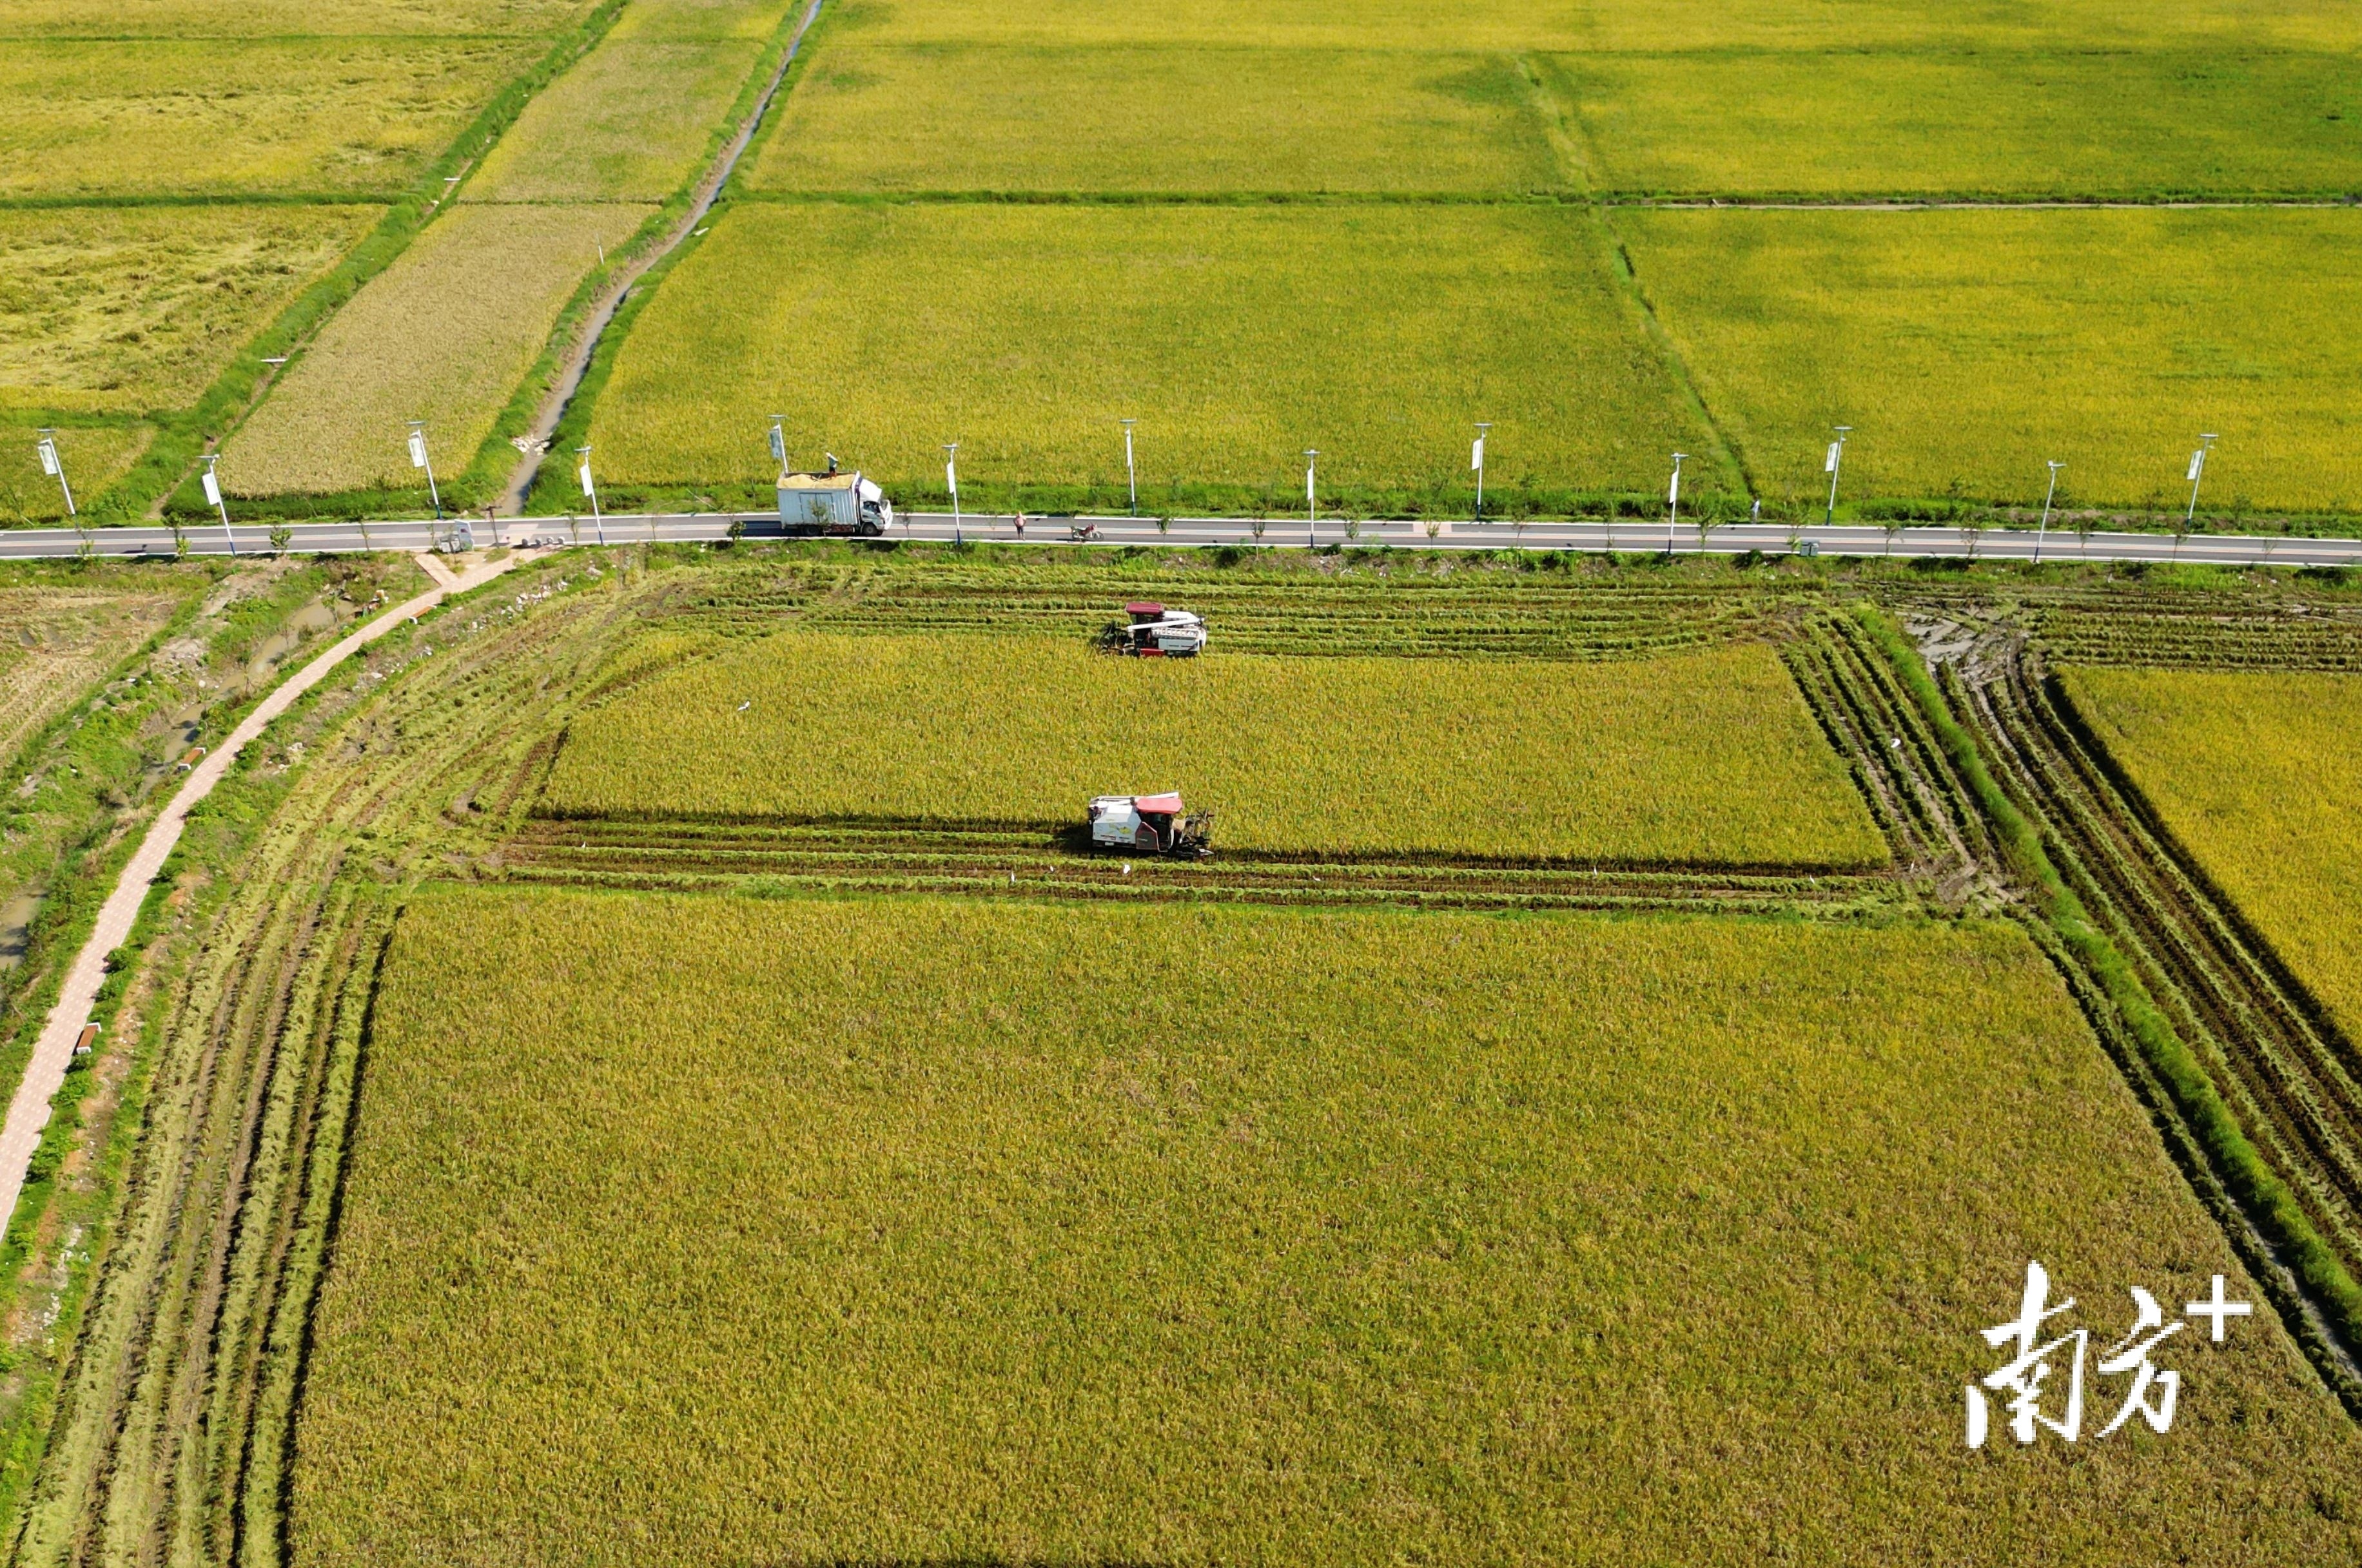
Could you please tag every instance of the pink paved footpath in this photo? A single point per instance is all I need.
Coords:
(28, 1112)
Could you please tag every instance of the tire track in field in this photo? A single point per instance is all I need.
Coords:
(603, 313)
(28, 1111)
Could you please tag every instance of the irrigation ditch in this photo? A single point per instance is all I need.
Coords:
(181, 1380)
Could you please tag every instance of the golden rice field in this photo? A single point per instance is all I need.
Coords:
(175, 118)
(282, 18)
(1697, 757)
(905, 1230)
(444, 334)
(2258, 775)
(1673, 25)
(1969, 348)
(94, 455)
(2067, 123)
(630, 122)
(124, 310)
(1238, 336)
(656, 21)
(940, 118)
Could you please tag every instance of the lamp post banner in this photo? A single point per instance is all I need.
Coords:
(48, 451)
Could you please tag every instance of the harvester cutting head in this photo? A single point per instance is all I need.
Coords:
(1152, 631)
(1149, 825)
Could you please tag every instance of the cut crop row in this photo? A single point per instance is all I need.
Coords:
(684, 855)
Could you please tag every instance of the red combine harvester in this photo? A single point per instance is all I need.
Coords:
(1152, 631)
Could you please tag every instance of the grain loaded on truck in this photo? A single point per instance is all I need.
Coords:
(832, 503)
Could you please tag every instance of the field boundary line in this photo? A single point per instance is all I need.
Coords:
(1575, 193)
(1625, 275)
(29, 1109)
(577, 363)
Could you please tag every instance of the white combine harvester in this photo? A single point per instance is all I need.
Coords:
(1152, 631)
(1149, 825)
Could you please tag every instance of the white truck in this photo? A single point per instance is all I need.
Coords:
(834, 502)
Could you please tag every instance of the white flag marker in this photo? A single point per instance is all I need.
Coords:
(48, 458)
(417, 449)
(212, 490)
(1476, 456)
(584, 474)
(1830, 465)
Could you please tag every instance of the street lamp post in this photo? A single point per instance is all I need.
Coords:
(951, 478)
(54, 466)
(418, 459)
(1131, 475)
(591, 490)
(1311, 506)
(1673, 502)
(1836, 461)
(2048, 496)
(213, 494)
(1476, 461)
(2198, 474)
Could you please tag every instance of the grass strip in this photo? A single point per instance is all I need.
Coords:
(2261, 1192)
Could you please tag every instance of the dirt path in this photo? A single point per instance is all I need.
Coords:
(28, 1112)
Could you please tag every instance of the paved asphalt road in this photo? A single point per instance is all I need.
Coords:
(1633, 537)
